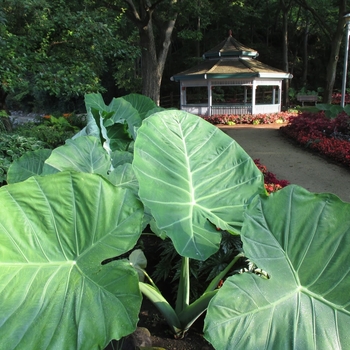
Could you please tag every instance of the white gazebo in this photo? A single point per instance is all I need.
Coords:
(226, 82)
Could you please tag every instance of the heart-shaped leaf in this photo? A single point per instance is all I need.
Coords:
(123, 175)
(139, 262)
(83, 154)
(302, 240)
(30, 164)
(95, 100)
(193, 178)
(142, 104)
(55, 231)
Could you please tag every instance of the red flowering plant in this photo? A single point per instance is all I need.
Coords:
(271, 183)
(329, 137)
(336, 98)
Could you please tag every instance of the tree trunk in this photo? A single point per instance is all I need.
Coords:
(151, 76)
(285, 9)
(153, 62)
(305, 54)
(3, 105)
(334, 55)
(335, 42)
(198, 49)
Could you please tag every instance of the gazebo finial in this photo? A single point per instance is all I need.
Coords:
(230, 32)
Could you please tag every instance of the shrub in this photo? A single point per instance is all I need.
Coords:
(13, 146)
(54, 131)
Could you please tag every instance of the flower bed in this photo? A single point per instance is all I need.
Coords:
(329, 137)
(272, 184)
(336, 98)
(231, 119)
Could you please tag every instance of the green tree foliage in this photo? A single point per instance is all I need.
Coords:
(57, 49)
(330, 22)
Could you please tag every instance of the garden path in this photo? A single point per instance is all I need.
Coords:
(288, 161)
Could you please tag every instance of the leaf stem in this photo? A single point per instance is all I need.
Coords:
(162, 305)
(183, 292)
(215, 282)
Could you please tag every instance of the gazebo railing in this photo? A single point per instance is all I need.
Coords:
(267, 108)
(198, 109)
(235, 109)
(232, 109)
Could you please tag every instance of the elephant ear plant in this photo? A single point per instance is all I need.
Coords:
(302, 240)
(210, 182)
(55, 232)
(133, 164)
(194, 179)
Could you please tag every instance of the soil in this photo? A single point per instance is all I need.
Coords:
(162, 337)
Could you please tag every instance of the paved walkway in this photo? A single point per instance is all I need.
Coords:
(291, 162)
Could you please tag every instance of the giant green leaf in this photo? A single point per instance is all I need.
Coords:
(30, 164)
(91, 128)
(119, 111)
(55, 231)
(119, 137)
(95, 100)
(123, 175)
(83, 154)
(302, 240)
(121, 157)
(142, 104)
(193, 178)
(123, 111)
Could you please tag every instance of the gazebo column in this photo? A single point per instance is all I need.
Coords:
(273, 95)
(253, 97)
(210, 98)
(279, 96)
(245, 95)
(183, 97)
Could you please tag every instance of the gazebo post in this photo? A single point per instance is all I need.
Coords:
(279, 96)
(183, 97)
(273, 95)
(253, 96)
(210, 98)
(245, 95)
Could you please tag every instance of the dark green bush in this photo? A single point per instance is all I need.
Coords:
(45, 133)
(54, 131)
(13, 146)
(50, 135)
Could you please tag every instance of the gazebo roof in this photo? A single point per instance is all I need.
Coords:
(230, 47)
(230, 59)
(231, 68)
